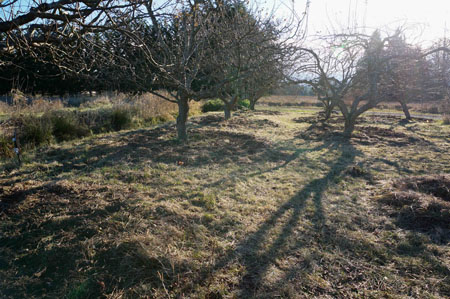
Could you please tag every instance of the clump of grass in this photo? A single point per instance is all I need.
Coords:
(35, 131)
(4, 108)
(100, 101)
(39, 105)
(208, 201)
(356, 171)
(120, 118)
(436, 185)
(19, 100)
(83, 290)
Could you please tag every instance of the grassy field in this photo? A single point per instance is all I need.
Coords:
(437, 107)
(268, 204)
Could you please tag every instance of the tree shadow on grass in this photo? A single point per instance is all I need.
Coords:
(44, 236)
(259, 251)
(206, 147)
(64, 239)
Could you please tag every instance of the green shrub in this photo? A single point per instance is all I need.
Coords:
(67, 126)
(120, 119)
(244, 104)
(35, 131)
(212, 105)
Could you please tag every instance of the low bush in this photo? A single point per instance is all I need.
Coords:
(35, 131)
(213, 105)
(120, 119)
(67, 126)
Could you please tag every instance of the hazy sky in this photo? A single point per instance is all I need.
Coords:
(426, 17)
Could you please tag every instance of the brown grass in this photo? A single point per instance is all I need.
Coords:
(37, 122)
(436, 107)
(289, 101)
(265, 205)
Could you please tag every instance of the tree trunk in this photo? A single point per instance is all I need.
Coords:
(405, 110)
(328, 110)
(227, 109)
(349, 126)
(252, 104)
(183, 110)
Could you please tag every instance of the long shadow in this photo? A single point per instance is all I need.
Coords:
(44, 241)
(252, 252)
(158, 145)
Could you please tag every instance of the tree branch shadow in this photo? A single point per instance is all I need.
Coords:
(253, 252)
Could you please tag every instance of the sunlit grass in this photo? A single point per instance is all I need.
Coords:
(267, 204)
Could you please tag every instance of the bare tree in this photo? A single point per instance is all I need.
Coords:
(405, 76)
(253, 56)
(148, 44)
(331, 70)
(352, 74)
(439, 72)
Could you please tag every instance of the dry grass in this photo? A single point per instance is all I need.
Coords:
(289, 101)
(44, 121)
(265, 205)
(421, 203)
(436, 107)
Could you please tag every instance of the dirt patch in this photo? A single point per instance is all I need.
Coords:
(421, 203)
(250, 123)
(319, 130)
(369, 135)
(308, 120)
(209, 120)
(238, 120)
(438, 185)
(381, 119)
(266, 112)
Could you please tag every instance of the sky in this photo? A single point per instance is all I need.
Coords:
(426, 20)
